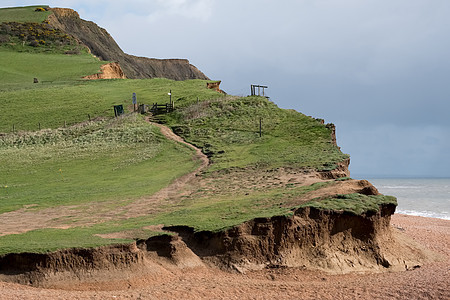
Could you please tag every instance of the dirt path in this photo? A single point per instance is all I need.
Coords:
(27, 219)
(148, 205)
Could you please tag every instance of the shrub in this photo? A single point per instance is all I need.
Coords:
(4, 38)
(34, 43)
(5, 28)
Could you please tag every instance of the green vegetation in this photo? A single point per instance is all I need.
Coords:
(353, 203)
(76, 164)
(48, 240)
(201, 213)
(24, 14)
(228, 131)
(38, 38)
(116, 161)
(52, 71)
(207, 213)
(224, 211)
(62, 96)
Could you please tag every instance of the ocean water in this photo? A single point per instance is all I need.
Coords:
(419, 197)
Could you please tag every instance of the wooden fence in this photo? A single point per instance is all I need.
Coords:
(161, 108)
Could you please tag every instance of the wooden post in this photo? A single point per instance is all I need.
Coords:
(14, 128)
(39, 125)
(260, 127)
(89, 116)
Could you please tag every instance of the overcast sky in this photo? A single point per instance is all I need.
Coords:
(378, 69)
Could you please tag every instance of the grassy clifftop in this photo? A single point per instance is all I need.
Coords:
(228, 131)
(27, 14)
(106, 176)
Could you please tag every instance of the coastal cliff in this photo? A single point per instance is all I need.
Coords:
(102, 45)
(311, 239)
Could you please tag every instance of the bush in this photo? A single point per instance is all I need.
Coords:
(5, 28)
(4, 38)
(34, 43)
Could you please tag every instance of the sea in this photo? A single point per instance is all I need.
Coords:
(426, 197)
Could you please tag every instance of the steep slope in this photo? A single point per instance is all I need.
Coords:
(101, 44)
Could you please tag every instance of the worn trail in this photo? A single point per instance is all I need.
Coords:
(26, 219)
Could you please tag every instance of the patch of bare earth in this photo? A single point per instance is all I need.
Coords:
(430, 281)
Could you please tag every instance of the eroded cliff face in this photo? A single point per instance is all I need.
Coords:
(108, 71)
(101, 44)
(310, 239)
(331, 241)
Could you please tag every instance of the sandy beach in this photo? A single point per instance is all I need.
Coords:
(430, 281)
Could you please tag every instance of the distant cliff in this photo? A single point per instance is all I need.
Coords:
(102, 45)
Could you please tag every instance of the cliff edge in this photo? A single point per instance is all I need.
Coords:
(102, 45)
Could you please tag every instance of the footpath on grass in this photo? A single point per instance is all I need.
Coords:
(141, 207)
(24, 220)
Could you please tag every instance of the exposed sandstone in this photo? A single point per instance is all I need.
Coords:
(102, 45)
(215, 86)
(311, 239)
(108, 71)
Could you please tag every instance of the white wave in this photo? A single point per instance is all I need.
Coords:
(429, 214)
(400, 187)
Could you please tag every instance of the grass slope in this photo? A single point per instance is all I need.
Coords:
(53, 103)
(23, 14)
(50, 69)
(228, 130)
(117, 160)
(207, 213)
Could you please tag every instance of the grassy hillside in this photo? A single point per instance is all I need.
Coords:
(23, 14)
(114, 160)
(86, 170)
(62, 96)
(50, 69)
(228, 131)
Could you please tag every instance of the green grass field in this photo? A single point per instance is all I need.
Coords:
(52, 157)
(62, 96)
(23, 14)
(228, 129)
(52, 70)
(115, 160)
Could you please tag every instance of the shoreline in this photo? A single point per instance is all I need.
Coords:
(430, 215)
(430, 281)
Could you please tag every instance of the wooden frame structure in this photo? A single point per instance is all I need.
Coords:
(253, 88)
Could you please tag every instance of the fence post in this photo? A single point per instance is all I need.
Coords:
(39, 125)
(14, 128)
(89, 116)
(260, 127)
